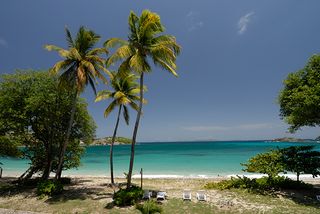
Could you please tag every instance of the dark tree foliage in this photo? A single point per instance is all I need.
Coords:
(300, 98)
(301, 160)
(267, 163)
(34, 113)
(296, 159)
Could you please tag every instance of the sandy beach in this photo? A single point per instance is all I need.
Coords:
(88, 194)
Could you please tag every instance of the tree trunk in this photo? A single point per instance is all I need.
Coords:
(63, 151)
(112, 143)
(135, 131)
(47, 169)
(298, 174)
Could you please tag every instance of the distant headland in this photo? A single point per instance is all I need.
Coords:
(107, 140)
(291, 139)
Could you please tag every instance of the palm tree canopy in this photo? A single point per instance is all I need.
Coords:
(145, 41)
(82, 62)
(124, 92)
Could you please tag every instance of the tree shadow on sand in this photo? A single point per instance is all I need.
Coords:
(306, 197)
(76, 190)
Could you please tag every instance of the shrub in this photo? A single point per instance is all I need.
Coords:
(262, 185)
(127, 197)
(149, 207)
(49, 187)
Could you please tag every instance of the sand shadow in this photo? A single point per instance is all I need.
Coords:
(306, 197)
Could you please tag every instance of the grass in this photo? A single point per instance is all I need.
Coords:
(84, 196)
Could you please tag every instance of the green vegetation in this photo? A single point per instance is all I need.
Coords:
(123, 140)
(49, 187)
(84, 197)
(127, 197)
(34, 114)
(149, 207)
(145, 41)
(297, 159)
(81, 65)
(299, 99)
(267, 163)
(259, 185)
(124, 93)
(301, 159)
(9, 147)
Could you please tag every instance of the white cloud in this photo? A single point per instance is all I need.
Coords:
(193, 21)
(242, 127)
(243, 22)
(3, 42)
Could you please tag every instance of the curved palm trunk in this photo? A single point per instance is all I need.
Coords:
(135, 131)
(65, 144)
(112, 143)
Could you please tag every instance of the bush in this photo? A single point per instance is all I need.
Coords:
(49, 187)
(127, 197)
(238, 183)
(262, 185)
(149, 207)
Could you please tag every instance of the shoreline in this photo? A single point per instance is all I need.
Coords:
(304, 177)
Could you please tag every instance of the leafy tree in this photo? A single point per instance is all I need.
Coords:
(81, 65)
(144, 43)
(267, 163)
(125, 90)
(9, 147)
(300, 98)
(301, 159)
(34, 113)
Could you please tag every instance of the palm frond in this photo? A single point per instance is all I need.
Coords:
(92, 84)
(61, 65)
(171, 68)
(167, 40)
(103, 95)
(52, 48)
(110, 108)
(123, 52)
(81, 78)
(139, 64)
(119, 94)
(149, 24)
(105, 71)
(133, 20)
(114, 42)
(97, 51)
(69, 38)
(134, 106)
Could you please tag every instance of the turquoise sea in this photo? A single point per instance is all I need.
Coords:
(169, 159)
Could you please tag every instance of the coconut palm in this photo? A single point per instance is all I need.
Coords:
(145, 43)
(80, 66)
(125, 90)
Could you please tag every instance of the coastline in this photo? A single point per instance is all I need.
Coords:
(303, 177)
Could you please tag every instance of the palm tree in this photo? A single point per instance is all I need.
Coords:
(81, 65)
(144, 43)
(125, 90)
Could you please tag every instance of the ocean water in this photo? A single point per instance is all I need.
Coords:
(170, 159)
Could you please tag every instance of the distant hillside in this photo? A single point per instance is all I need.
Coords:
(288, 139)
(107, 140)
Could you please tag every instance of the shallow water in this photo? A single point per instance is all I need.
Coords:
(191, 159)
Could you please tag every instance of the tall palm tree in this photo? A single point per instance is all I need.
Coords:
(80, 66)
(125, 90)
(145, 43)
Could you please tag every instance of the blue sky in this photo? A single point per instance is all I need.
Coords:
(235, 55)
